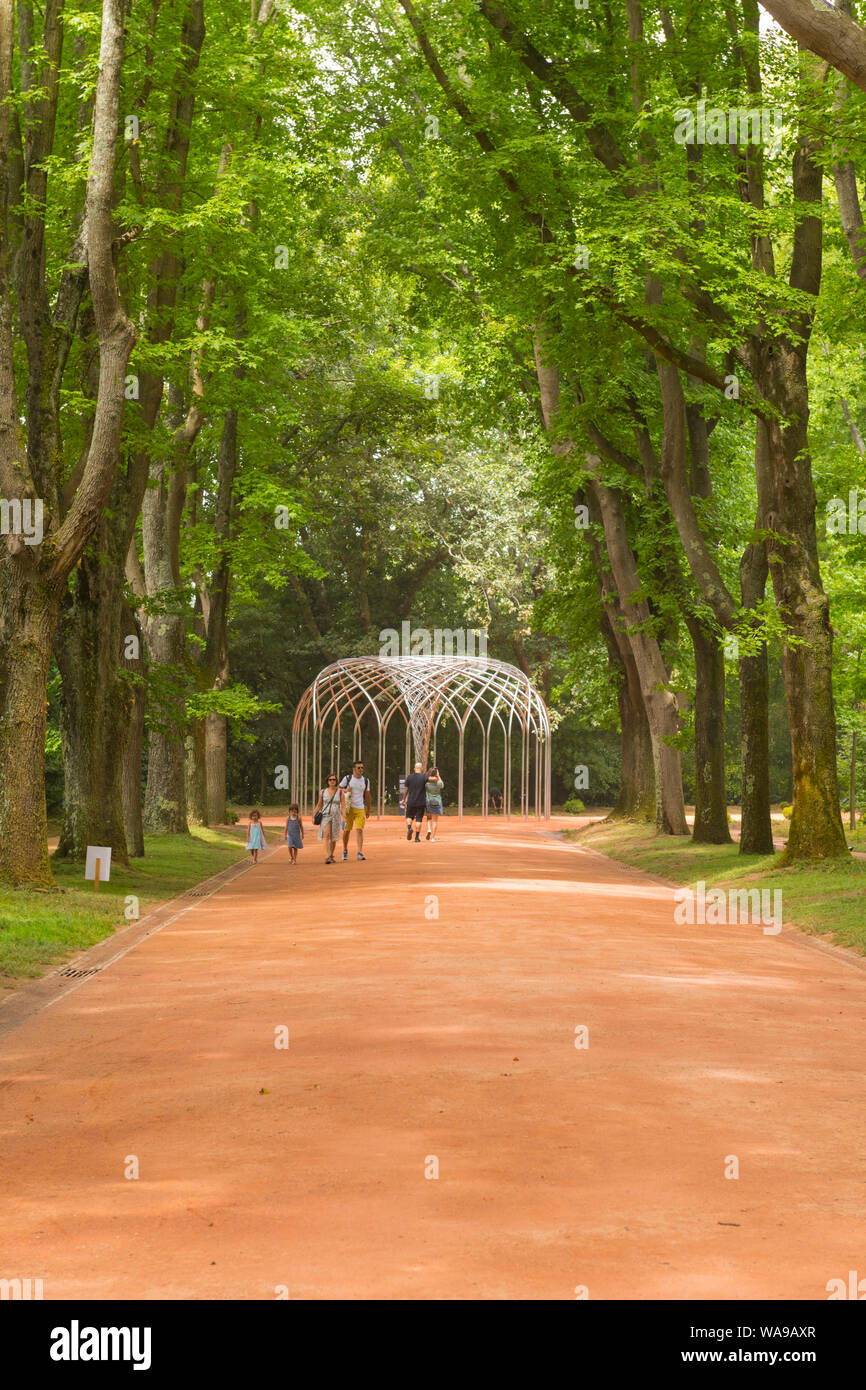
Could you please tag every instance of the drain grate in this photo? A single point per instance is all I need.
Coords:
(79, 974)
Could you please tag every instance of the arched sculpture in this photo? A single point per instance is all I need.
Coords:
(424, 690)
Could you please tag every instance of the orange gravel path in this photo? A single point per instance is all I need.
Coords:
(414, 1039)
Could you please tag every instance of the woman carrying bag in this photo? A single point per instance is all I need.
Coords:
(328, 816)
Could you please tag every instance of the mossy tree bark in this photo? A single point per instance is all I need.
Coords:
(787, 501)
(807, 651)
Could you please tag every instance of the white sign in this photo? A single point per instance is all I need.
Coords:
(103, 854)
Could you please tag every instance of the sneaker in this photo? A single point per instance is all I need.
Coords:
(330, 859)
(428, 835)
(417, 838)
(361, 856)
(408, 832)
(345, 855)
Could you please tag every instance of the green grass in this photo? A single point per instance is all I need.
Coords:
(37, 929)
(823, 899)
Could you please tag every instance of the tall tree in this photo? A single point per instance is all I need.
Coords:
(34, 569)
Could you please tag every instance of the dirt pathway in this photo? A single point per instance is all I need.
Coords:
(419, 1042)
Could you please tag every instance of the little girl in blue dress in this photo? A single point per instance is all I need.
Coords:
(256, 836)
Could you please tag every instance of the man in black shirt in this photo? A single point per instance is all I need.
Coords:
(416, 801)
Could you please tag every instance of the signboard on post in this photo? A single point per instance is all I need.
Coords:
(97, 865)
(402, 790)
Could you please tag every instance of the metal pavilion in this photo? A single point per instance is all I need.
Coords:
(424, 691)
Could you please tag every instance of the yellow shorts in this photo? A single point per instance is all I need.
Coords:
(356, 817)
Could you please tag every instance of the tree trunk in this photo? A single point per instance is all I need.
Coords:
(216, 747)
(131, 775)
(852, 784)
(636, 799)
(33, 580)
(94, 705)
(165, 793)
(711, 803)
(816, 825)
(28, 615)
(196, 773)
(756, 829)
(660, 702)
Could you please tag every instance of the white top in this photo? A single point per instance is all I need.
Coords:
(357, 787)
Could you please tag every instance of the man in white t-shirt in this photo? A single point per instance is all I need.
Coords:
(357, 789)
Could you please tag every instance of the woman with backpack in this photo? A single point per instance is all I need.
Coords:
(328, 815)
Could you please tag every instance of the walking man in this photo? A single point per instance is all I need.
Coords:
(416, 801)
(357, 789)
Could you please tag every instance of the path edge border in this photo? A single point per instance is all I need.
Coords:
(34, 996)
(794, 935)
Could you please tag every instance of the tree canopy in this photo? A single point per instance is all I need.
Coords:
(540, 318)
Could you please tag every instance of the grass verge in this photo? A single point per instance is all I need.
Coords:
(827, 900)
(37, 929)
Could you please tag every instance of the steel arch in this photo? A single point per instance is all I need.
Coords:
(424, 689)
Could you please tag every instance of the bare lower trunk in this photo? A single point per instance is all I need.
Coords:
(816, 824)
(165, 793)
(196, 773)
(711, 803)
(756, 831)
(28, 615)
(132, 753)
(93, 706)
(636, 798)
(660, 702)
(215, 758)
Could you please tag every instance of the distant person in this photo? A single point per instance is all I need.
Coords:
(294, 833)
(433, 793)
(256, 836)
(330, 803)
(357, 789)
(495, 799)
(416, 801)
